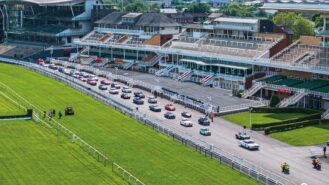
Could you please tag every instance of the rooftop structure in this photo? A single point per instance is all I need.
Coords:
(47, 22)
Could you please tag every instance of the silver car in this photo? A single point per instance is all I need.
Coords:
(249, 144)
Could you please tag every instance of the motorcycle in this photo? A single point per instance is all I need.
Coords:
(285, 168)
(316, 165)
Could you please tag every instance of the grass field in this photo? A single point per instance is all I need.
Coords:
(30, 154)
(7, 108)
(243, 118)
(151, 156)
(311, 135)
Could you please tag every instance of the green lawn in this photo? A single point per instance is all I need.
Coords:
(311, 135)
(151, 156)
(30, 154)
(243, 118)
(8, 108)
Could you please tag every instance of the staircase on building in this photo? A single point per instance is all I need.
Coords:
(207, 80)
(325, 115)
(185, 75)
(255, 88)
(292, 99)
(165, 71)
(128, 65)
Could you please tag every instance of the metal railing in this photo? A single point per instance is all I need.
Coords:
(125, 174)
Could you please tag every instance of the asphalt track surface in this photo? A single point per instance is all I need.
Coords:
(221, 97)
(270, 156)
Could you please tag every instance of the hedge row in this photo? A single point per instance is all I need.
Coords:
(295, 120)
(28, 114)
(282, 110)
(293, 126)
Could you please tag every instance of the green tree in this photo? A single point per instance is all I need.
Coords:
(298, 24)
(274, 100)
(137, 6)
(199, 7)
(318, 21)
(303, 26)
(154, 8)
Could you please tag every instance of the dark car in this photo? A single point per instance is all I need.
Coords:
(115, 85)
(170, 115)
(53, 67)
(125, 96)
(139, 94)
(61, 70)
(242, 136)
(186, 115)
(69, 111)
(138, 101)
(102, 87)
(204, 121)
(155, 108)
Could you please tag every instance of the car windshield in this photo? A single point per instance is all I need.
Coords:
(249, 141)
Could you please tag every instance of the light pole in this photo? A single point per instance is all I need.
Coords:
(250, 109)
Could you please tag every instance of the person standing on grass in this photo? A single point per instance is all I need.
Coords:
(54, 112)
(44, 114)
(50, 115)
(60, 115)
(324, 151)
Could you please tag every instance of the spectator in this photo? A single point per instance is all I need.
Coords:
(50, 115)
(44, 114)
(60, 115)
(54, 112)
(324, 151)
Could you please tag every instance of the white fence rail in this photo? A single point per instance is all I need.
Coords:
(237, 163)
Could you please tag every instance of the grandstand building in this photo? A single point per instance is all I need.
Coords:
(46, 21)
(231, 53)
(220, 54)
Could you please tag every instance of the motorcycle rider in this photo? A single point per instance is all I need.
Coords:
(315, 162)
(284, 166)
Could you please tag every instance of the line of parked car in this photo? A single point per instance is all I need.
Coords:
(114, 89)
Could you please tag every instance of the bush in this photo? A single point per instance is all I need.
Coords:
(274, 100)
(292, 126)
(315, 116)
(282, 110)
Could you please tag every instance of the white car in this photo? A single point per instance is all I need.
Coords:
(126, 90)
(186, 123)
(249, 144)
(114, 91)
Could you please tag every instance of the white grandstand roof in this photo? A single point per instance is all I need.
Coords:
(236, 20)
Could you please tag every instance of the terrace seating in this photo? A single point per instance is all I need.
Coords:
(219, 44)
(288, 82)
(114, 38)
(135, 40)
(95, 36)
(313, 84)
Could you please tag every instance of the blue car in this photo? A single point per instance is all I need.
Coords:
(139, 94)
(138, 101)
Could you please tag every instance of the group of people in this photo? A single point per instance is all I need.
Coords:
(51, 114)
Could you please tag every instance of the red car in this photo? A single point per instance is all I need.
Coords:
(83, 79)
(105, 82)
(170, 107)
(93, 83)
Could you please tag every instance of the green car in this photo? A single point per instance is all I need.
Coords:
(205, 132)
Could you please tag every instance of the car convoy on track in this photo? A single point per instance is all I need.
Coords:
(113, 89)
